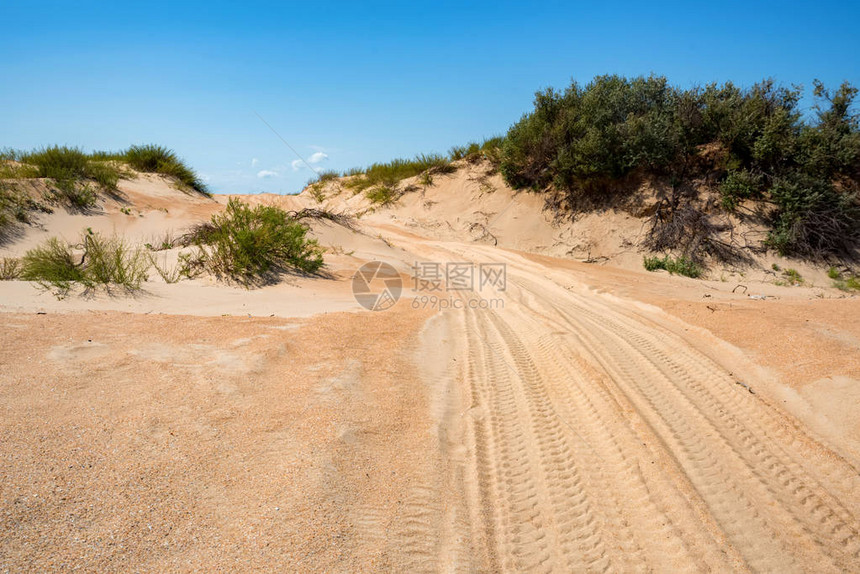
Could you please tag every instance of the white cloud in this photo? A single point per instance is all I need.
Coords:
(266, 174)
(255, 162)
(313, 159)
(318, 157)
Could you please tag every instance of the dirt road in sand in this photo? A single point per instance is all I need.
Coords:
(570, 430)
(601, 436)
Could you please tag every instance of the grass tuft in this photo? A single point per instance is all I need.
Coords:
(675, 266)
(153, 158)
(388, 175)
(53, 264)
(10, 268)
(850, 283)
(382, 195)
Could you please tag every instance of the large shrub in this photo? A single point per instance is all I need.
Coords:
(587, 140)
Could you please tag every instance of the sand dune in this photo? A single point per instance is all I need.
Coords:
(601, 418)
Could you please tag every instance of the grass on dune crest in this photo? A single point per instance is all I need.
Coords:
(389, 174)
(380, 181)
(73, 170)
(490, 149)
(159, 159)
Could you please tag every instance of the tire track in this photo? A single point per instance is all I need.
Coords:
(600, 440)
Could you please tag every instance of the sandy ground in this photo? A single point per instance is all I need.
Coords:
(597, 418)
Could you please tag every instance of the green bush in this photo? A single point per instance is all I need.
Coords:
(112, 261)
(95, 261)
(739, 186)
(159, 159)
(247, 244)
(676, 266)
(588, 141)
(53, 264)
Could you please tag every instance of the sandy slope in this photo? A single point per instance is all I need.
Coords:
(605, 419)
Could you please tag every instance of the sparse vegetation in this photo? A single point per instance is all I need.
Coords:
(675, 266)
(343, 218)
(381, 195)
(161, 243)
(183, 269)
(791, 278)
(78, 196)
(10, 268)
(15, 207)
(327, 175)
(388, 175)
(248, 245)
(846, 281)
(490, 150)
(849, 284)
(95, 261)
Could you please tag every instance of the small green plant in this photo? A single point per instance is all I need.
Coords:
(425, 179)
(162, 242)
(792, 277)
(247, 245)
(317, 191)
(382, 195)
(167, 274)
(776, 267)
(10, 268)
(851, 283)
(78, 196)
(833, 273)
(680, 265)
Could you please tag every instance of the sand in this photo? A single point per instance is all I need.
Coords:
(604, 418)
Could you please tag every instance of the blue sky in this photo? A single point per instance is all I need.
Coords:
(350, 83)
